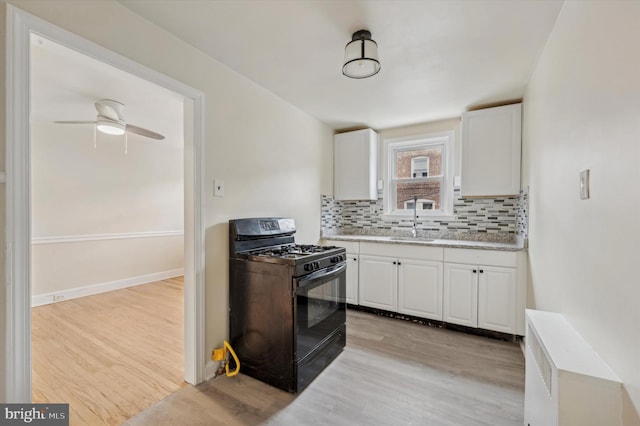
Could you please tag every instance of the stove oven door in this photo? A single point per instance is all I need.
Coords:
(320, 307)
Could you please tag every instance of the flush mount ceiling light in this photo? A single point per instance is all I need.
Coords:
(361, 56)
(110, 127)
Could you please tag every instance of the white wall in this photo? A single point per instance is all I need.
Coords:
(82, 191)
(78, 189)
(274, 159)
(582, 111)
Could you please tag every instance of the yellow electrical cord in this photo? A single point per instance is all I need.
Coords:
(235, 358)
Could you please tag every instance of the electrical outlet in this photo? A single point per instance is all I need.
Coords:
(58, 297)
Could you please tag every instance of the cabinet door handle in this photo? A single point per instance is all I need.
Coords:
(474, 271)
(355, 259)
(395, 262)
(481, 271)
(399, 263)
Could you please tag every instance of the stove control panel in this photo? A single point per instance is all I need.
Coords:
(311, 266)
(338, 258)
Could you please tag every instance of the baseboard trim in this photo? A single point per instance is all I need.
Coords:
(101, 237)
(89, 290)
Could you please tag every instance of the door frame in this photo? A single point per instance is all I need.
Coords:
(17, 310)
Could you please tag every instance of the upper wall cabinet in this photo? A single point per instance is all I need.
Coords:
(355, 165)
(491, 143)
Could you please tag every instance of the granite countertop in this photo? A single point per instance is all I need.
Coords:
(486, 245)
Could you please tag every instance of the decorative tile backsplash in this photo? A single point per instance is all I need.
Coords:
(491, 219)
(522, 223)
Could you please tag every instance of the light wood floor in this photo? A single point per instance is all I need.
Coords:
(112, 355)
(392, 372)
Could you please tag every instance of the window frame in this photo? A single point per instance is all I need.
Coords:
(390, 146)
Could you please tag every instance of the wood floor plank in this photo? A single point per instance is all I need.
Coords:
(111, 355)
(392, 372)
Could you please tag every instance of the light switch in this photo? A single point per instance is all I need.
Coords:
(584, 184)
(218, 188)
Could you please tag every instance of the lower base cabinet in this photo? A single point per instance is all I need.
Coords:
(420, 288)
(378, 287)
(480, 296)
(352, 278)
(407, 286)
(470, 287)
(460, 294)
(496, 299)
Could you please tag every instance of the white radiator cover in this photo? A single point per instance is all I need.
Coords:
(566, 382)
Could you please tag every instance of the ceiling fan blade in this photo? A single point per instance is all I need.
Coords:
(75, 122)
(109, 109)
(144, 132)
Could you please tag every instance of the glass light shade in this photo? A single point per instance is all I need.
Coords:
(361, 59)
(110, 127)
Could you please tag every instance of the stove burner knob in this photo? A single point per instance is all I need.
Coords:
(311, 266)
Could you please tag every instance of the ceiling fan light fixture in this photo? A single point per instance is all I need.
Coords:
(110, 127)
(361, 56)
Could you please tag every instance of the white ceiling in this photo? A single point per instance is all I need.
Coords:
(439, 58)
(65, 84)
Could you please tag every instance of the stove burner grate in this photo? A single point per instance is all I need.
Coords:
(293, 251)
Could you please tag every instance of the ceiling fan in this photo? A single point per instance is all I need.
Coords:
(110, 121)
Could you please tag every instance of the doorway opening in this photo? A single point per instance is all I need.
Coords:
(107, 255)
(17, 371)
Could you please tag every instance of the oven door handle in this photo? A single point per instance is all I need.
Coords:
(323, 273)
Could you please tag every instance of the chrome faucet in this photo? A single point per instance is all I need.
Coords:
(414, 231)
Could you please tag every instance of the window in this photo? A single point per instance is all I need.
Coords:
(419, 167)
(422, 205)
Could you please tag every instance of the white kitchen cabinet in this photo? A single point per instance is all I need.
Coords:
(491, 145)
(482, 288)
(414, 272)
(460, 294)
(497, 298)
(472, 287)
(353, 266)
(420, 288)
(355, 165)
(480, 296)
(378, 282)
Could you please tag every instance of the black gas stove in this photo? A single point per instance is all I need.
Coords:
(287, 309)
